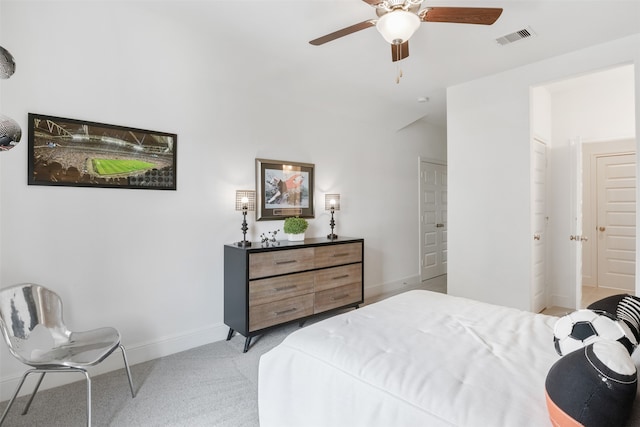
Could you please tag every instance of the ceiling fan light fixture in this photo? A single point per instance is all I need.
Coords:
(398, 26)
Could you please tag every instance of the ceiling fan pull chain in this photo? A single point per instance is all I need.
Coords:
(398, 74)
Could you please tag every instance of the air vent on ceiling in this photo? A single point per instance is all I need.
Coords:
(525, 33)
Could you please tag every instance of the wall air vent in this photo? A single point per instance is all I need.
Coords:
(525, 33)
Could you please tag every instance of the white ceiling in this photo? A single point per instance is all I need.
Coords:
(354, 75)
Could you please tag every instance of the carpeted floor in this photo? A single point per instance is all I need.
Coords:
(212, 385)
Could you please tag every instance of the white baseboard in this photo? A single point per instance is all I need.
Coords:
(561, 301)
(135, 354)
(378, 292)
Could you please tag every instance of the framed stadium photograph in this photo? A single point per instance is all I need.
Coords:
(70, 152)
(283, 189)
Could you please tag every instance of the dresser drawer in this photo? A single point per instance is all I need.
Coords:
(264, 315)
(272, 263)
(337, 297)
(338, 276)
(326, 256)
(263, 291)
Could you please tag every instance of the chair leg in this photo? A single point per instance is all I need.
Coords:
(126, 365)
(6, 411)
(35, 390)
(86, 374)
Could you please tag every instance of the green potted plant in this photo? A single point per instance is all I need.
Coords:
(295, 227)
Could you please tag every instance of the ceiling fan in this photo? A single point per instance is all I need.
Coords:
(399, 19)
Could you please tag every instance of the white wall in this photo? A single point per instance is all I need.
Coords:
(489, 133)
(151, 262)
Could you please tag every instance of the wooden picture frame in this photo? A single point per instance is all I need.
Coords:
(284, 189)
(78, 153)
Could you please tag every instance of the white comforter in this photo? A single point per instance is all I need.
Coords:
(416, 359)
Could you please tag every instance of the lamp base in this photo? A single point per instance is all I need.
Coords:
(244, 244)
(332, 236)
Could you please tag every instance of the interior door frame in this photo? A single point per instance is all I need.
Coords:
(539, 235)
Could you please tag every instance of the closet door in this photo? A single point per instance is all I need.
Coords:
(433, 220)
(616, 221)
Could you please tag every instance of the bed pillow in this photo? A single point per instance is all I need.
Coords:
(583, 327)
(625, 307)
(592, 387)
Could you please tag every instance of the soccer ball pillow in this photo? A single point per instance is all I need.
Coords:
(583, 327)
(624, 307)
(592, 387)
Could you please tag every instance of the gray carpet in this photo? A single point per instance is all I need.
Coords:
(212, 385)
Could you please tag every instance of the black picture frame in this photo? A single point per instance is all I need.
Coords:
(80, 153)
(284, 189)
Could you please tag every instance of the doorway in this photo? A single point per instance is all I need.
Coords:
(596, 109)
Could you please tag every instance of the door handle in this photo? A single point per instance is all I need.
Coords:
(602, 228)
(536, 237)
(439, 225)
(578, 238)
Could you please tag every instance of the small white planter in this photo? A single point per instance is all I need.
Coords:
(296, 237)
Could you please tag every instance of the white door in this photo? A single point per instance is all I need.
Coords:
(433, 220)
(538, 226)
(616, 225)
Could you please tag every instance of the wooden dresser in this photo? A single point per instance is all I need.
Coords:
(267, 286)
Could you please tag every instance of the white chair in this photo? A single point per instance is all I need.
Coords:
(32, 326)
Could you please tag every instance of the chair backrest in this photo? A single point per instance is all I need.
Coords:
(31, 320)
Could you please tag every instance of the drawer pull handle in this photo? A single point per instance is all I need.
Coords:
(291, 261)
(285, 288)
(340, 277)
(338, 297)
(342, 254)
(280, 313)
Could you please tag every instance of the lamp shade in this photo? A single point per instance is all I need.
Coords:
(245, 198)
(332, 200)
(398, 26)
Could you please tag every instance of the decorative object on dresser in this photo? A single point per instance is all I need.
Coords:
(332, 203)
(269, 237)
(295, 227)
(265, 287)
(245, 201)
(284, 189)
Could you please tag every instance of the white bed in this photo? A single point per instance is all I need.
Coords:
(416, 359)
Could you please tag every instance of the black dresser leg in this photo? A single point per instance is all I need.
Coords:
(247, 342)
(230, 334)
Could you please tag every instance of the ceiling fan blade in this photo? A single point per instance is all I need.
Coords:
(462, 15)
(399, 51)
(343, 32)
